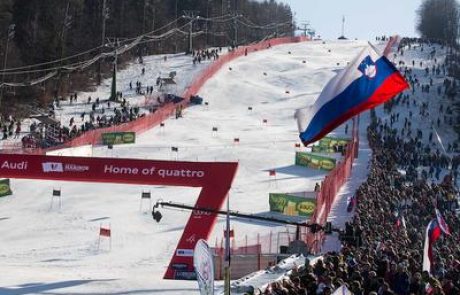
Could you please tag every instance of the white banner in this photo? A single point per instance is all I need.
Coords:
(204, 267)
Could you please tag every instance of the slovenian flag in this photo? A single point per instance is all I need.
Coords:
(370, 80)
(433, 233)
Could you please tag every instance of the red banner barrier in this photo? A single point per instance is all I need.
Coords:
(330, 187)
(214, 178)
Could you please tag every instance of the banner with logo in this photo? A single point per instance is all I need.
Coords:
(5, 189)
(113, 138)
(204, 267)
(314, 161)
(323, 149)
(291, 205)
(330, 142)
(214, 178)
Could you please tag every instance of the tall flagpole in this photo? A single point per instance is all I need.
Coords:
(445, 152)
(227, 251)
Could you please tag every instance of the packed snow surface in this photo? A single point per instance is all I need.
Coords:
(50, 250)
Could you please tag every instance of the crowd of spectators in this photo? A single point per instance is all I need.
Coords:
(10, 127)
(381, 255)
(90, 114)
(102, 114)
(97, 118)
(208, 54)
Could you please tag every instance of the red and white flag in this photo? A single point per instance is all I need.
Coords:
(433, 233)
(442, 223)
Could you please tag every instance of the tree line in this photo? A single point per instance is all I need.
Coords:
(439, 20)
(38, 31)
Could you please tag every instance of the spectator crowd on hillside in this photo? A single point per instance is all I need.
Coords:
(102, 114)
(207, 54)
(382, 246)
(92, 114)
(380, 256)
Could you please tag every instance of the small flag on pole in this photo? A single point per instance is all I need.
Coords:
(440, 141)
(105, 232)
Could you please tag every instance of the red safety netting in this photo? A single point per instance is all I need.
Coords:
(273, 242)
(329, 189)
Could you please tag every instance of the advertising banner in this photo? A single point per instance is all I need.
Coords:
(330, 142)
(113, 138)
(5, 189)
(204, 267)
(323, 149)
(214, 178)
(314, 161)
(292, 205)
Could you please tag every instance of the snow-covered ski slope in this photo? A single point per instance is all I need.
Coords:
(46, 250)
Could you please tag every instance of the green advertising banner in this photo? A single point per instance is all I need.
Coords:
(291, 205)
(5, 188)
(314, 161)
(330, 142)
(322, 149)
(118, 138)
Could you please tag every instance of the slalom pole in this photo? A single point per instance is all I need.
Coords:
(227, 251)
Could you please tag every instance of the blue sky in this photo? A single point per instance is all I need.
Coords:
(364, 19)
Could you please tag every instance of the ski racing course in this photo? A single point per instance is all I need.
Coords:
(49, 249)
